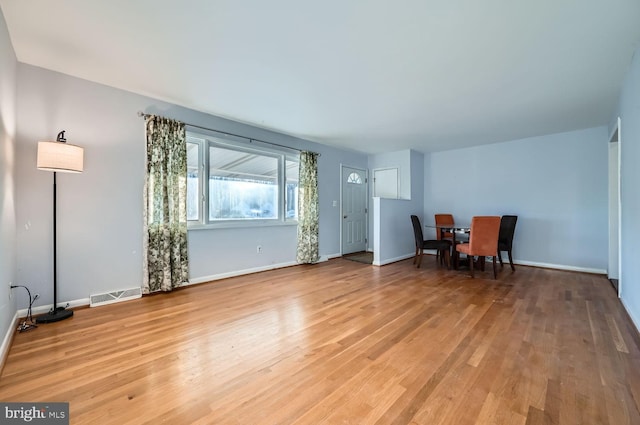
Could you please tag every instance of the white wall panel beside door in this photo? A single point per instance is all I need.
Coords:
(386, 183)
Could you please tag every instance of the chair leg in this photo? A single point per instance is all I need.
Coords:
(470, 257)
(495, 269)
(455, 257)
(445, 258)
(415, 257)
(481, 260)
(513, 269)
(419, 257)
(500, 258)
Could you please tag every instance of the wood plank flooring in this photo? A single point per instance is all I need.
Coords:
(344, 343)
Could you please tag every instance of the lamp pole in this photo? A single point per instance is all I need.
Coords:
(59, 160)
(56, 313)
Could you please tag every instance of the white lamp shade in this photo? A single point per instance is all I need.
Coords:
(60, 157)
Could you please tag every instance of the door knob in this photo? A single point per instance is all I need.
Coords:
(344, 216)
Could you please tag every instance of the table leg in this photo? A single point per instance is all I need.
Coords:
(454, 252)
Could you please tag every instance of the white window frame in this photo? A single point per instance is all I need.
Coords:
(206, 139)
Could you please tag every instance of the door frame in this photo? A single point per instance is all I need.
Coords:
(366, 205)
(616, 137)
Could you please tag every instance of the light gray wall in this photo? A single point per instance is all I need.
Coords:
(556, 184)
(393, 238)
(390, 237)
(100, 210)
(629, 111)
(7, 181)
(400, 160)
(417, 175)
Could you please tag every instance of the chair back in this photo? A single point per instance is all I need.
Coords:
(507, 229)
(444, 220)
(483, 240)
(417, 230)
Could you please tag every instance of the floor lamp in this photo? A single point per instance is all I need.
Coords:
(58, 157)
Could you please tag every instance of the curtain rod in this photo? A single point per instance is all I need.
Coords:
(226, 133)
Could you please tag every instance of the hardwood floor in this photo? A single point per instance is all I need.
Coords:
(344, 343)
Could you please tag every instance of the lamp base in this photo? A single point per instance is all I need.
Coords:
(56, 315)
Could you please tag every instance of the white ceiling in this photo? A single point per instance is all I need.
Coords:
(370, 75)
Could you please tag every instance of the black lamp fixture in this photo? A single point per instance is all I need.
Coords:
(59, 157)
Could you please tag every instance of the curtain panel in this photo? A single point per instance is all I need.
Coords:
(308, 216)
(166, 265)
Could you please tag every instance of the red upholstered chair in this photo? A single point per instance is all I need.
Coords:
(483, 240)
(444, 220)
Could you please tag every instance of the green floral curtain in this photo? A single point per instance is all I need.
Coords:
(308, 217)
(165, 206)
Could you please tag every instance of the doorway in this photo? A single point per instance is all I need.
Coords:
(354, 210)
(613, 269)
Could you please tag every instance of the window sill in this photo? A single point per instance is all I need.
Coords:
(240, 225)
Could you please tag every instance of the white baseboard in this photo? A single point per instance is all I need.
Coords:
(559, 267)
(330, 257)
(234, 273)
(393, 260)
(46, 308)
(520, 262)
(6, 342)
(634, 319)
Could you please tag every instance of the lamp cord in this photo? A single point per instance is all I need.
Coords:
(28, 322)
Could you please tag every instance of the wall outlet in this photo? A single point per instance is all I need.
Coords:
(259, 249)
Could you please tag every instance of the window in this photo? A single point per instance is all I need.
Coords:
(291, 195)
(193, 181)
(229, 182)
(354, 178)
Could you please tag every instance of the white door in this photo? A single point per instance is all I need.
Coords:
(354, 210)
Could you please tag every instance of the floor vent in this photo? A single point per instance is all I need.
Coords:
(115, 297)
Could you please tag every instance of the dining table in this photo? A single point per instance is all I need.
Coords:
(458, 232)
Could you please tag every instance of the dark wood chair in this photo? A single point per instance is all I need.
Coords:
(441, 246)
(505, 239)
(483, 241)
